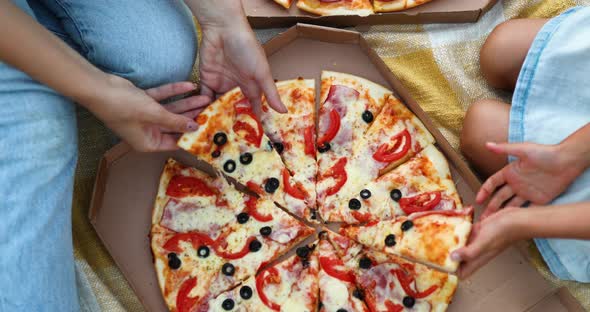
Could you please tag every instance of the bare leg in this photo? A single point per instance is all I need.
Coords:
(503, 53)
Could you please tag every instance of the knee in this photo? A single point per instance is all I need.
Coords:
(473, 138)
(495, 54)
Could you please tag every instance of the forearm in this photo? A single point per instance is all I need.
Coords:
(575, 148)
(31, 48)
(218, 12)
(556, 221)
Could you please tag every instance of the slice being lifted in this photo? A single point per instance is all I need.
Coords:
(336, 7)
(427, 237)
(291, 285)
(396, 5)
(203, 260)
(390, 283)
(285, 3)
(293, 137)
(423, 183)
(230, 137)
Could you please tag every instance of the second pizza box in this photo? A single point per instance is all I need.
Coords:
(127, 182)
(266, 13)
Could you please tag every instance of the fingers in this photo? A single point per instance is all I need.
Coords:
(168, 143)
(252, 92)
(516, 201)
(188, 104)
(502, 195)
(268, 86)
(490, 185)
(167, 120)
(206, 91)
(515, 149)
(168, 90)
(468, 268)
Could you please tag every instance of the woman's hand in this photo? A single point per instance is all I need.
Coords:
(489, 237)
(539, 175)
(137, 117)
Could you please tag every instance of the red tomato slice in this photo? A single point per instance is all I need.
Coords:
(450, 213)
(251, 206)
(338, 173)
(261, 280)
(253, 136)
(406, 281)
(183, 302)
(252, 186)
(195, 238)
(296, 191)
(420, 203)
(329, 264)
(386, 153)
(361, 217)
(308, 136)
(392, 307)
(232, 256)
(181, 186)
(332, 129)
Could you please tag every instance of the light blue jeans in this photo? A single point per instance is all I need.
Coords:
(149, 42)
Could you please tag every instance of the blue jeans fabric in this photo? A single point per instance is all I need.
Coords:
(550, 102)
(149, 42)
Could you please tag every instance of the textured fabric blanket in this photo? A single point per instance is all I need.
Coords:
(438, 63)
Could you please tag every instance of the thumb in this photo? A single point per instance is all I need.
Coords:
(514, 149)
(173, 122)
(467, 253)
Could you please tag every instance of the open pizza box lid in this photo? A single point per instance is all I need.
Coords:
(127, 182)
(267, 13)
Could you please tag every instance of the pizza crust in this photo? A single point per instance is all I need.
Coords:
(357, 7)
(285, 3)
(396, 5)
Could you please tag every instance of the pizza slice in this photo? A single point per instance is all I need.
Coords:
(396, 5)
(394, 136)
(336, 7)
(230, 138)
(426, 237)
(389, 283)
(338, 290)
(423, 183)
(348, 107)
(293, 137)
(285, 3)
(291, 285)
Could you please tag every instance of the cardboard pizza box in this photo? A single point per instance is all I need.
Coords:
(127, 182)
(267, 13)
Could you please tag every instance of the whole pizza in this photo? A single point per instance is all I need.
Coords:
(352, 7)
(349, 207)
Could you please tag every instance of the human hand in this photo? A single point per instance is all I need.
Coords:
(539, 175)
(231, 56)
(489, 237)
(137, 117)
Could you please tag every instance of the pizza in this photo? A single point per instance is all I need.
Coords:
(396, 5)
(293, 137)
(234, 236)
(389, 283)
(230, 137)
(426, 237)
(290, 285)
(285, 3)
(336, 7)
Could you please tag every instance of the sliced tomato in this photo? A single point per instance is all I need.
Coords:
(232, 256)
(296, 191)
(389, 153)
(421, 202)
(184, 303)
(308, 136)
(252, 205)
(181, 186)
(406, 281)
(254, 187)
(361, 217)
(253, 136)
(338, 173)
(332, 129)
(195, 238)
(392, 307)
(450, 213)
(271, 275)
(329, 266)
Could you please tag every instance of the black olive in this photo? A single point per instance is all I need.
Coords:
(365, 194)
(305, 263)
(395, 194)
(406, 225)
(246, 292)
(320, 305)
(408, 301)
(279, 147)
(255, 246)
(271, 185)
(243, 217)
(173, 261)
(341, 310)
(227, 304)
(358, 293)
(219, 138)
(216, 153)
(354, 204)
(323, 235)
(270, 145)
(228, 269)
(265, 231)
(390, 240)
(246, 158)
(365, 263)
(367, 116)
(324, 147)
(302, 252)
(314, 214)
(229, 166)
(203, 252)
